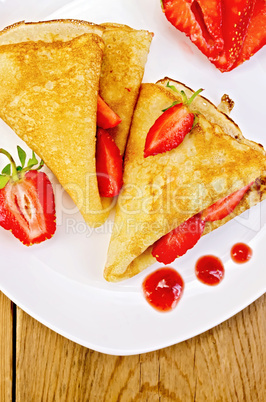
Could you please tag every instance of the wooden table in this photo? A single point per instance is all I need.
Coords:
(226, 363)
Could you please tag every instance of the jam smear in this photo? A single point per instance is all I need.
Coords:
(163, 288)
(209, 270)
(241, 253)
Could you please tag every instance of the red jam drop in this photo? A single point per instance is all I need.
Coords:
(163, 289)
(241, 253)
(209, 270)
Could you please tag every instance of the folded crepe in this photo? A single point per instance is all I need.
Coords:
(125, 55)
(48, 96)
(123, 61)
(162, 191)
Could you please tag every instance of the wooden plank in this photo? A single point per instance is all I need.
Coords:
(6, 342)
(50, 367)
(230, 359)
(225, 363)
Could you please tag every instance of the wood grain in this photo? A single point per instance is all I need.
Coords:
(6, 343)
(226, 363)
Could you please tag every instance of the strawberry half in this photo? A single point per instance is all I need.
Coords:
(27, 205)
(170, 129)
(200, 20)
(225, 206)
(176, 243)
(236, 19)
(256, 36)
(109, 165)
(106, 117)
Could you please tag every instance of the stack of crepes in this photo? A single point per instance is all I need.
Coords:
(50, 76)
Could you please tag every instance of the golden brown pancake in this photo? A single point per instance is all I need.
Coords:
(124, 60)
(162, 191)
(47, 31)
(48, 96)
(123, 64)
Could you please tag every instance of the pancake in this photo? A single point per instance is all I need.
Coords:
(47, 31)
(124, 60)
(162, 191)
(125, 55)
(122, 69)
(48, 96)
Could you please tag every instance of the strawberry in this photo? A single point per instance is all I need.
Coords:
(227, 32)
(200, 20)
(170, 129)
(256, 36)
(236, 19)
(178, 241)
(225, 206)
(106, 117)
(27, 205)
(109, 165)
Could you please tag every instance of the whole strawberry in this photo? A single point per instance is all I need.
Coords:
(27, 206)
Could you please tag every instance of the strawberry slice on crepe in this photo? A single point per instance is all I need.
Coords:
(109, 165)
(170, 129)
(27, 206)
(106, 117)
(164, 195)
(185, 236)
(177, 242)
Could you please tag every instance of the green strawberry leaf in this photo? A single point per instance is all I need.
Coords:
(33, 160)
(22, 156)
(196, 120)
(173, 104)
(3, 181)
(171, 87)
(7, 170)
(184, 97)
(40, 165)
(190, 100)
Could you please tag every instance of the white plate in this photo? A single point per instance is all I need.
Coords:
(60, 282)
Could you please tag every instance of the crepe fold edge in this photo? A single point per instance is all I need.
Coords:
(67, 29)
(87, 46)
(255, 195)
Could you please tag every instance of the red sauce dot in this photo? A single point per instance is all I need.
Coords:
(163, 288)
(241, 253)
(209, 270)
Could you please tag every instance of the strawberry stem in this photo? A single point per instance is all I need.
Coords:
(19, 171)
(12, 162)
(190, 100)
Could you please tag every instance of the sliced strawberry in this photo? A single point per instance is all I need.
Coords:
(225, 206)
(200, 20)
(27, 206)
(178, 241)
(109, 165)
(236, 19)
(106, 117)
(169, 130)
(256, 35)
